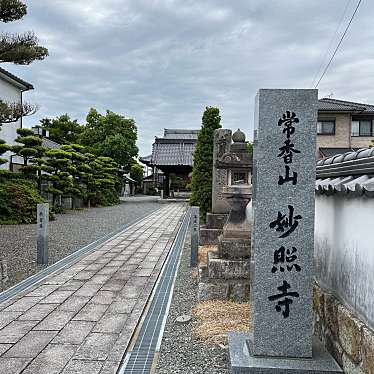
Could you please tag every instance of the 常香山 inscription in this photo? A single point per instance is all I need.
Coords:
(288, 122)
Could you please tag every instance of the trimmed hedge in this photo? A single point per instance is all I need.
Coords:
(18, 201)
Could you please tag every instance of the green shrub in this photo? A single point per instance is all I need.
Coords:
(105, 198)
(18, 201)
(57, 209)
(151, 191)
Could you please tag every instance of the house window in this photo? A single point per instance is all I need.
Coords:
(326, 127)
(361, 127)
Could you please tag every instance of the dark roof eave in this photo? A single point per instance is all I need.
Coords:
(333, 111)
(27, 86)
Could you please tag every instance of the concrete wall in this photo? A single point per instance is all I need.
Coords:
(9, 93)
(344, 251)
(344, 266)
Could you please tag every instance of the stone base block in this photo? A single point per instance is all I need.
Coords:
(215, 220)
(241, 360)
(209, 236)
(227, 269)
(234, 248)
(237, 291)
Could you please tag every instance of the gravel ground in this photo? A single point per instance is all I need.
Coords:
(180, 351)
(69, 232)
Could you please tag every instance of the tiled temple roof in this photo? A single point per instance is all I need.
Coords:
(350, 174)
(176, 148)
(180, 134)
(170, 152)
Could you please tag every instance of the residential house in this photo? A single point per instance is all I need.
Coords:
(11, 91)
(343, 126)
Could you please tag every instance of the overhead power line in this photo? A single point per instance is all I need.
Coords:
(324, 56)
(339, 44)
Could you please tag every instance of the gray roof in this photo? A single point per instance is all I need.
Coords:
(146, 159)
(173, 152)
(176, 148)
(333, 105)
(351, 174)
(11, 77)
(48, 143)
(180, 134)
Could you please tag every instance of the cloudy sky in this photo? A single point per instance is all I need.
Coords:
(162, 61)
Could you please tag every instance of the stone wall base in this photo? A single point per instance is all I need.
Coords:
(210, 232)
(223, 279)
(347, 338)
(231, 290)
(209, 236)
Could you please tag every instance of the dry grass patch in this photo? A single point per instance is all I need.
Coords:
(203, 253)
(216, 318)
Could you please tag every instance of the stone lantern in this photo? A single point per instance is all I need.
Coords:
(236, 239)
(227, 273)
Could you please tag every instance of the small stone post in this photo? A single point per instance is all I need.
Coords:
(195, 215)
(42, 232)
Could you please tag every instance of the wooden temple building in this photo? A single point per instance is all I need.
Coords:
(172, 158)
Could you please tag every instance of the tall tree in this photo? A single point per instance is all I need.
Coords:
(111, 135)
(201, 184)
(137, 173)
(63, 129)
(20, 49)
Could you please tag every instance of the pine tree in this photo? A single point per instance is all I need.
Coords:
(3, 148)
(78, 169)
(29, 148)
(20, 49)
(201, 184)
(56, 165)
(137, 173)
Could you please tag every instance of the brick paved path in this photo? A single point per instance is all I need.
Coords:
(81, 319)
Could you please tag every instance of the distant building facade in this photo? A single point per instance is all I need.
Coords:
(343, 126)
(173, 156)
(11, 91)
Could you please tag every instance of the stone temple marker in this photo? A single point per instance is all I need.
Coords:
(283, 240)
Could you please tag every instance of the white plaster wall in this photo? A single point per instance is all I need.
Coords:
(344, 251)
(9, 93)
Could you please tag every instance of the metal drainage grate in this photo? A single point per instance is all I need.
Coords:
(140, 359)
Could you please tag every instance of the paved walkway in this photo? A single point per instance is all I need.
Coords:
(81, 319)
(67, 233)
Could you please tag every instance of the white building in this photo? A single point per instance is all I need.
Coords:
(11, 91)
